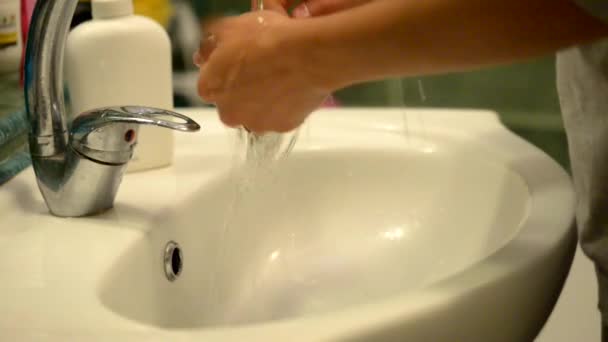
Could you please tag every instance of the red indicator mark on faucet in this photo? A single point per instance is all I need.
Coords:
(130, 136)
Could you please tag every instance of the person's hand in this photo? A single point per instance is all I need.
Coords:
(309, 8)
(252, 78)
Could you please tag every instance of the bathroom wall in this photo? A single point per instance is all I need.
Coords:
(524, 95)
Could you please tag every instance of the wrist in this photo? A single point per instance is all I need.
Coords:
(313, 54)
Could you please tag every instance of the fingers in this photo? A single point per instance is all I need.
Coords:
(213, 26)
(256, 125)
(218, 73)
(301, 11)
(313, 8)
(196, 59)
(256, 118)
(228, 118)
(211, 31)
(210, 83)
(279, 6)
(207, 46)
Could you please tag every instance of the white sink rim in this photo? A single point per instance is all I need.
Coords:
(549, 226)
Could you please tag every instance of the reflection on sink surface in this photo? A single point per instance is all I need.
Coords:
(455, 231)
(324, 230)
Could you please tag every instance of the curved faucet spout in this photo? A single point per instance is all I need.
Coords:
(44, 76)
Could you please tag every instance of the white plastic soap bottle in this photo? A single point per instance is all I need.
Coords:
(10, 39)
(119, 58)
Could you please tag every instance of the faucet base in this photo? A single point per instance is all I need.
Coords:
(86, 188)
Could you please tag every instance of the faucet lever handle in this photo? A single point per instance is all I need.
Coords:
(96, 118)
(152, 116)
(109, 134)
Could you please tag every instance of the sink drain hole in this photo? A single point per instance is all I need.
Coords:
(174, 260)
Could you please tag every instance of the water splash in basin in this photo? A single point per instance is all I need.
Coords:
(327, 230)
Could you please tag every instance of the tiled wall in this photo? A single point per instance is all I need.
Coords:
(524, 95)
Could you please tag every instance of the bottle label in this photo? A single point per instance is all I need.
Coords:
(8, 26)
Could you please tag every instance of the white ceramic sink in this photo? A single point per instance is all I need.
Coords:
(455, 231)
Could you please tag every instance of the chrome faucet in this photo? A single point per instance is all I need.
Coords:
(78, 166)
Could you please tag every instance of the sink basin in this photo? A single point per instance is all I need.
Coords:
(441, 227)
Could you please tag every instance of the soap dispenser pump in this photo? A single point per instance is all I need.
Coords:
(119, 58)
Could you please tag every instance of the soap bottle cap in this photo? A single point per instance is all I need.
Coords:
(106, 9)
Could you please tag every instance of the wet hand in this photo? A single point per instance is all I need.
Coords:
(310, 8)
(253, 78)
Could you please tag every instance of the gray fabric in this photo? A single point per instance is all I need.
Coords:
(583, 88)
(15, 164)
(12, 125)
(597, 8)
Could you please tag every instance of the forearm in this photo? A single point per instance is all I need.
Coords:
(412, 37)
